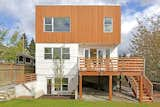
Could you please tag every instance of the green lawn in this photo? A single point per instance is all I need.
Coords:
(71, 103)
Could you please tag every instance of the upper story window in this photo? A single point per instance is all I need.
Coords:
(108, 24)
(57, 24)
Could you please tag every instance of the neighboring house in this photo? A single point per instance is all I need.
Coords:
(86, 39)
(25, 59)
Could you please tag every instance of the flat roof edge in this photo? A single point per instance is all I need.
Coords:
(77, 5)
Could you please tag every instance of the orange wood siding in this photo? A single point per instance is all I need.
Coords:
(86, 24)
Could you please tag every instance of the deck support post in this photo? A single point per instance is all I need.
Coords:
(120, 83)
(110, 87)
(140, 88)
(80, 86)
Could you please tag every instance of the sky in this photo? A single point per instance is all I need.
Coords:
(20, 14)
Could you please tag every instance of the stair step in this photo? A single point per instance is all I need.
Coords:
(149, 101)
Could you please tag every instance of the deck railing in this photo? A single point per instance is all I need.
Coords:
(111, 64)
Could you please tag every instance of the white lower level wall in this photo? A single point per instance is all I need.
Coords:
(45, 68)
(22, 91)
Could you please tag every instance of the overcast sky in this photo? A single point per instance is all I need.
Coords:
(21, 13)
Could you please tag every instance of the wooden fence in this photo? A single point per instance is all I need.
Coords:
(13, 73)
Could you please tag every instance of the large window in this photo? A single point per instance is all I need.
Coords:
(108, 24)
(57, 53)
(61, 85)
(57, 24)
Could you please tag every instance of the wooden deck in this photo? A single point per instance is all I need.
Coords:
(131, 67)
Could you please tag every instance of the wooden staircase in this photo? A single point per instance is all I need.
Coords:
(134, 83)
(7, 93)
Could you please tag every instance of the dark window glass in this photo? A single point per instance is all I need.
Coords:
(65, 53)
(61, 24)
(56, 53)
(48, 53)
(107, 53)
(65, 84)
(28, 60)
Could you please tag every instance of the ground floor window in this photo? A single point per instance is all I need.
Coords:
(61, 84)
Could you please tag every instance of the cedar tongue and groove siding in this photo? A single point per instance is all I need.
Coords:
(86, 24)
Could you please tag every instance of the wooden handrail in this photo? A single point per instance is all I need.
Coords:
(148, 85)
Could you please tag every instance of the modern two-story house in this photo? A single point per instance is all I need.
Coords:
(82, 38)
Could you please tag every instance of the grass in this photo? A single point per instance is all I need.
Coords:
(71, 103)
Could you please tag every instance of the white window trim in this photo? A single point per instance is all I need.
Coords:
(52, 50)
(47, 24)
(53, 25)
(107, 24)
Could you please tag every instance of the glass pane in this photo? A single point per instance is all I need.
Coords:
(48, 50)
(108, 21)
(48, 20)
(48, 56)
(57, 53)
(28, 60)
(100, 54)
(66, 56)
(107, 53)
(108, 28)
(61, 24)
(57, 87)
(65, 50)
(57, 80)
(86, 53)
(48, 27)
(65, 81)
(64, 87)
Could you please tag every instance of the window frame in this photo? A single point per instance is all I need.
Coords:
(107, 24)
(44, 24)
(44, 30)
(48, 53)
(61, 53)
(65, 53)
(61, 85)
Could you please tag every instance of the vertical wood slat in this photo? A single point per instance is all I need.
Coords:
(86, 24)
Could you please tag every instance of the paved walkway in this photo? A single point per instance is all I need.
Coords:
(90, 94)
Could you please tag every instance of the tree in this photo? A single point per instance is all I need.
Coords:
(146, 43)
(31, 48)
(25, 43)
(58, 70)
(3, 34)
